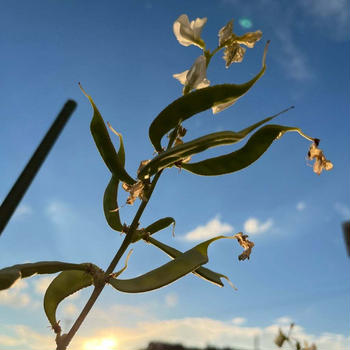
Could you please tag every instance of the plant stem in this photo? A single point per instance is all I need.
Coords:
(98, 289)
(62, 343)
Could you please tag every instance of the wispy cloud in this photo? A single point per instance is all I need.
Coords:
(15, 296)
(22, 211)
(70, 310)
(59, 213)
(254, 226)
(41, 284)
(332, 14)
(343, 210)
(171, 299)
(211, 229)
(291, 57)
(238, 321)
(301, 206)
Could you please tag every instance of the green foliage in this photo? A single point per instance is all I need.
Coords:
(168, 273)
(248, 154)
(105, 146)
(202, 272)
(65, 284)
(159, 225)
(9, 275)
(182, 151)
(198, 101)
(110, 198)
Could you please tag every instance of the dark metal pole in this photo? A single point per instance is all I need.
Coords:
(24, 180)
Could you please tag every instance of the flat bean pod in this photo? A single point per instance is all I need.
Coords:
(256, 146)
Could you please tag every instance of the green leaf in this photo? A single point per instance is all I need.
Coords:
(110, 198)
(195, 102)
(65, 284)
(105, 146)
(256, 146)
(159, 225)
(9, 275)
(182, 151)
(168, 273)
(110, 205)
(202, 272)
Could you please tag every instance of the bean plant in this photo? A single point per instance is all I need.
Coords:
(197, 96)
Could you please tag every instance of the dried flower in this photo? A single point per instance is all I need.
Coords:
(136, 191)
(320, 160)
(189, 33)
(196, 77)
(245, 244)
(225, 33)
(233, 51)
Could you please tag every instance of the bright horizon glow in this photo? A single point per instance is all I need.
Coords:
(101, 344)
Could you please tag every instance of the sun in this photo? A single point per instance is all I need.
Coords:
(101, 344)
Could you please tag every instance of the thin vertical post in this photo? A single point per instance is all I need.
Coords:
(20, 187)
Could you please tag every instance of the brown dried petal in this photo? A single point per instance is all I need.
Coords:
(233, 53)
(245, 244)
(249, 39)
(320, 160)
(136, 191)
(225, 32)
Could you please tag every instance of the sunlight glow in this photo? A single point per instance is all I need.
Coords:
(101, 344)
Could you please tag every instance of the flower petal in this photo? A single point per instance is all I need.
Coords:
(205, 83)
(189, 33)
(197, 26)
(197, 74)
(233, 53)
(181, 77)
(249, 39)
(225, 32)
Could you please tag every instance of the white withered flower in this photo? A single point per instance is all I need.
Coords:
(189, 33)
(194, 78)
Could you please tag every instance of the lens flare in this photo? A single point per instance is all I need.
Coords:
(245, 22)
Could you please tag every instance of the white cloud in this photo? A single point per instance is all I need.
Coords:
(343, 210)
(14, 296)
(22, 211)
(41, 284)
(171, 299)
(59, 213)
(238, 321)
(284, 320)
(26, 338)
(213, 228)
(190, 331)
(5, 340)
(69, 310)
(254, 226)
(332, 13)
(292, 58)
(301, 206)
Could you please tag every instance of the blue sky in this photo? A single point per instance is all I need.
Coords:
(124, 54)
